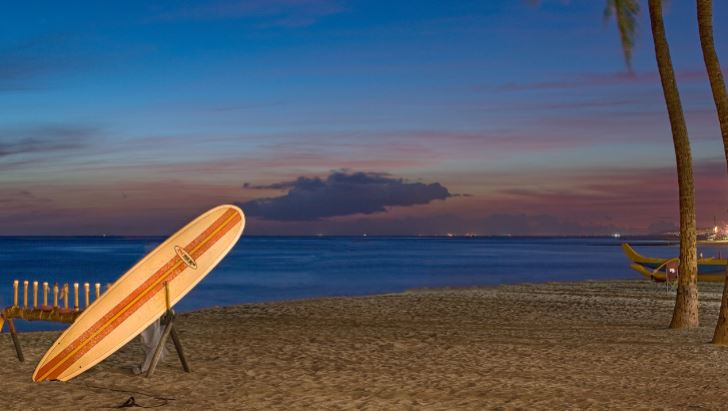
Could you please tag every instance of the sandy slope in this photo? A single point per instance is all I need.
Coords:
(549, 346)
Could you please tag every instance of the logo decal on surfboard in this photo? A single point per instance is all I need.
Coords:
(186, 258)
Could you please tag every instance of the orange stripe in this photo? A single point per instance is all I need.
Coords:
(131, 303)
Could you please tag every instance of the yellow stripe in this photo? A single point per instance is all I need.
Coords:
(123, 310)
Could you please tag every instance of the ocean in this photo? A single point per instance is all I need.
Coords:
(284, 268)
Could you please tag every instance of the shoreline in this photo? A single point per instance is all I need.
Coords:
(354, 296)
(602, 344)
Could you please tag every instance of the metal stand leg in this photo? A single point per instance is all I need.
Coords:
(16, 342)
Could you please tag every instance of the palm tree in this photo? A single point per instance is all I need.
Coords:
(717, 85)
(685, 314)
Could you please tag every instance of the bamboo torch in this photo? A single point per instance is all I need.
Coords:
(25, 293)
(35, 294)
(45, 293)
(65, 296)
(15, 293)
(75, 296)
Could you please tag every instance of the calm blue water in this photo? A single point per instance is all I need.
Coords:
(282, 268)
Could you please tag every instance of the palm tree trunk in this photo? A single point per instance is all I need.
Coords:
(717, 85)
(685, 314)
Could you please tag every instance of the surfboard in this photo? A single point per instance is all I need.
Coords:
(138, 298)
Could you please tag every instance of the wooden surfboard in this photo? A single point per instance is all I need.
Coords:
(137, 298)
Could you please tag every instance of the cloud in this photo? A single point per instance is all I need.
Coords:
(275, 186)
(43, 139)
(341, 194)
(637, 200)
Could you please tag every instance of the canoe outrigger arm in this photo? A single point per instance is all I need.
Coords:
(656, 269)
(658, 274)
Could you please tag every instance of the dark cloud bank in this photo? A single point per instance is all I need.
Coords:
(340, 194)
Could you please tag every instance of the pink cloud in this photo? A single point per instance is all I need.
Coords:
(633, 198)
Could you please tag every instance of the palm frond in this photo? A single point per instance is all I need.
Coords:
(625, 12)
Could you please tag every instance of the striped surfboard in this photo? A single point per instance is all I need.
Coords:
(138, 298)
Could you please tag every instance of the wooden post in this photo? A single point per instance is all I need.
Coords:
(45, 293)
(98, 290)
(16, 343)
(180, 351)
(25, 293)
(15, 293)
(55, 295)
(75, 296)
(86, 288)
(166, 297)
(35, 294)
(159, 349)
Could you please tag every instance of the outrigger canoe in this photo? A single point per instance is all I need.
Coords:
(710, 269)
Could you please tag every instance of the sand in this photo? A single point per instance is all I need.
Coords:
(543, 346)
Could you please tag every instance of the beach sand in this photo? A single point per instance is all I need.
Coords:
(535, 346)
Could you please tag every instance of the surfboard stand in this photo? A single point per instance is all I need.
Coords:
(169, 330)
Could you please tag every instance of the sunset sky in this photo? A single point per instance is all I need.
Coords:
(347, 117)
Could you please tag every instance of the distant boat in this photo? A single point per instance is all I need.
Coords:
(658, 269)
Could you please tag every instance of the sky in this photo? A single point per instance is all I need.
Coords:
(328, 117)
